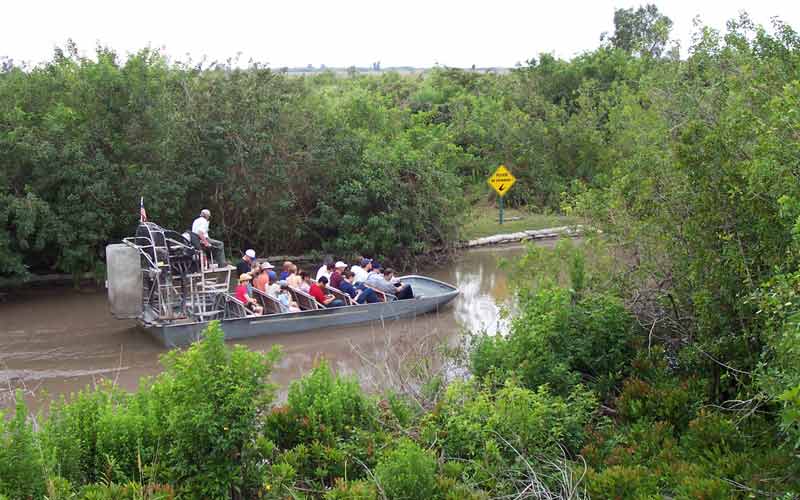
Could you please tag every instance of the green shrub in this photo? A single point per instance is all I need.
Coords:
(352, 490)
(558, 341)
(69, 435)
(22, 472)
(407, 472)
(471, 421)
(320, 407)
(670, 399)
(623, 483)
(207, 401)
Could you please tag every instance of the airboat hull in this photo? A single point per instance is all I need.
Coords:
(430, 296)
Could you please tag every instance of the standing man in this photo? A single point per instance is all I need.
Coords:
(246, 264)
(209, 246)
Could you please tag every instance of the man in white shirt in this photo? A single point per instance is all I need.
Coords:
(361, 271)
(200, 226)
(212, 247)
(326, 268)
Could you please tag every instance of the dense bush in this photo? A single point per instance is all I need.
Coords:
(407, 472)
(473, 420)
(560, 340)
(22, 469)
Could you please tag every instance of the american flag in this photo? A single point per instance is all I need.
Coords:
(142, 213)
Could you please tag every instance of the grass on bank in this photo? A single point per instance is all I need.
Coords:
(483, 220)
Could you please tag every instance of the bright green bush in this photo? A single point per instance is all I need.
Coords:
(208, 400)
(473, 421)
(22, 470)
(407, 472)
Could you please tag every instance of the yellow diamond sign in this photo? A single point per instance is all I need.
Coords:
(502, 180)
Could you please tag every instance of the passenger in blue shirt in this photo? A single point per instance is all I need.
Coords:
(365, 295)
(346, 285)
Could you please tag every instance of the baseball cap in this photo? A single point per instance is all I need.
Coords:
(365, 261)
(376, 265)
(340, 264)
(267, 265)
(251, 253)
(245, 277)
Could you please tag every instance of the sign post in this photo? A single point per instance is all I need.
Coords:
(501, 181)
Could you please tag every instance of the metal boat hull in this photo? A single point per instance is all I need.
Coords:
(431, 296)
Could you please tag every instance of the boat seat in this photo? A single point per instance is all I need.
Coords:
(270, 304)
(348, 300)
(242, 310)
(305, 301)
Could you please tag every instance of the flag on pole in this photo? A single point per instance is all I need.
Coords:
(142, 213)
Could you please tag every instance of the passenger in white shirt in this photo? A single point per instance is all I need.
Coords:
(326, 268)
(361, 272)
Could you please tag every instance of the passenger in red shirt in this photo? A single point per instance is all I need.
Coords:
(320, 296)
(245, 298)
(336, 276)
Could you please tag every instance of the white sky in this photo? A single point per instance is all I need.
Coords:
(346, 32)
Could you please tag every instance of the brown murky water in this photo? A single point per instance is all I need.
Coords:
(54, 341)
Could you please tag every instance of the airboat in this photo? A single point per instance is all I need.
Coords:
(162, 279)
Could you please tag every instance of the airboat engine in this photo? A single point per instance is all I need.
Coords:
(158, 276)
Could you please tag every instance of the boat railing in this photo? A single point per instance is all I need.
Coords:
(382, 296)
(232, 307)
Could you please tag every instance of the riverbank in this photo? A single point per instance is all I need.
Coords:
(483, 221)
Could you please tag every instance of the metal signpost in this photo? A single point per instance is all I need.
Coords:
(501, 181)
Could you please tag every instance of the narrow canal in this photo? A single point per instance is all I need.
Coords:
(57, 340)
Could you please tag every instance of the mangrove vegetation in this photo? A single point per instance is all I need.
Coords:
(658, 358)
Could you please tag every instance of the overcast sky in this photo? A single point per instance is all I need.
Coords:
(344, 33)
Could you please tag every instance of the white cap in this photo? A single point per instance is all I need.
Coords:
(340, 264)
(251, 253)
(267, 265)
(205, 212)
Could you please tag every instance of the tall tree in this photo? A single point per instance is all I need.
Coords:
(644, 31)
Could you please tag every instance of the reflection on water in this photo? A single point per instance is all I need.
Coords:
(56, 340)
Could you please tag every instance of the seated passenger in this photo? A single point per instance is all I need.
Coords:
(273, 287)
(293, 280)
(261, 281)
(362, 295)
(326, 300)
(402, 290)
(361, 271)
(305, 282)
(246, 264)
(285, 270)
(255, 274)
(242, 296)
(375, 280)
(336, 275)
(385, 285)
(326, 268)
(285, 298)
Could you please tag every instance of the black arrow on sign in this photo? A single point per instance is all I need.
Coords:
(501, 187)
